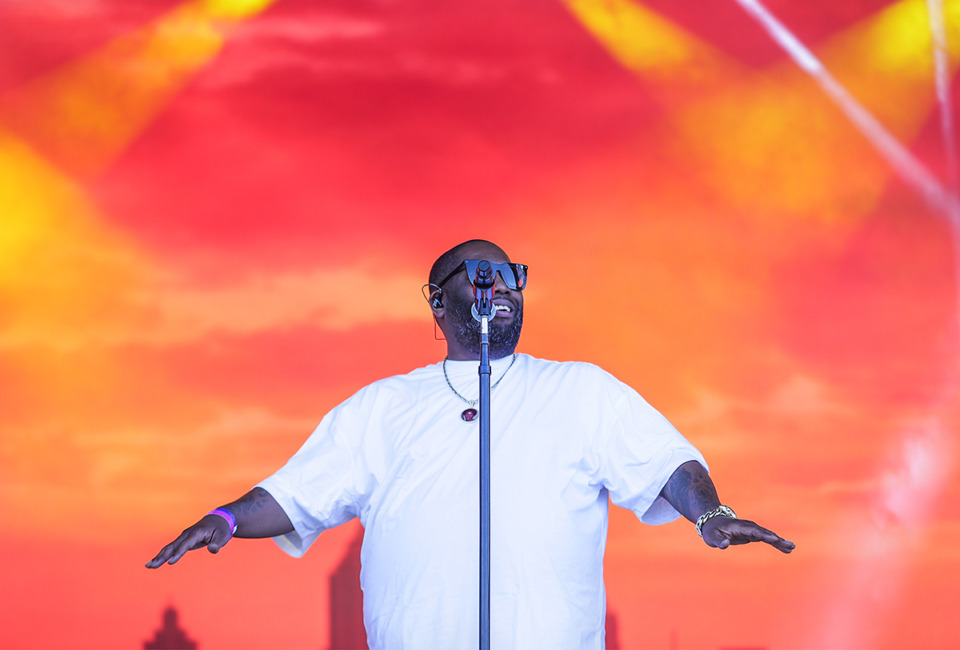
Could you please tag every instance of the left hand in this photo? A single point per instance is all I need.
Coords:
(721, 532)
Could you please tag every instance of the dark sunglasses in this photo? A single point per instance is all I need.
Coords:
(514, 275)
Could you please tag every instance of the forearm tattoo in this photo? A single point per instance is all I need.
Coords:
(250, 503)
(691, 491)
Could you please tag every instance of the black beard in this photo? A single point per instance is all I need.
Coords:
(503, 337)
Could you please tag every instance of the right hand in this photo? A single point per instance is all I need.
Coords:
(212, 531)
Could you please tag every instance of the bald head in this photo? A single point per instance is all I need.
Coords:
(472, 249)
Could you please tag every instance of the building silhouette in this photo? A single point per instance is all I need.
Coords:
(346, 601)
(170, 636)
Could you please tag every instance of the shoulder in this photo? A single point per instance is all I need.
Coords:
(546, 365)
(396, 387)
(412, 380)
(567, 370)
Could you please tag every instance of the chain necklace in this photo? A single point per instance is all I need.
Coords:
(470, 414)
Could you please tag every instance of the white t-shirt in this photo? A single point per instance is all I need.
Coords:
(398, 456)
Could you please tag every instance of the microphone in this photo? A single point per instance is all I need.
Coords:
(483, 290)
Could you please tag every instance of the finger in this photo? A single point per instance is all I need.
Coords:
(747, 532)
(218, 541)
(180, 549)
(167, 552)
(750, 532)
(171, 553)
(784, 545)
(774, 540)
(160, 557)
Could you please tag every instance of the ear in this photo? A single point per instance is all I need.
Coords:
(434, 297)
(436, 301)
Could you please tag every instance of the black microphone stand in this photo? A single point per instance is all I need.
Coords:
(483, 284)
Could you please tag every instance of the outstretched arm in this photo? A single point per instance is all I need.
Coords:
(258, 515)
(691, 491)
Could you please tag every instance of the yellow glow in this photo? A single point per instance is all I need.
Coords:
(773, 142)
(233, 9)
(898, 39)
(776, 146)
(647, 43)
(60, 270)
(85, 114)
(886, 62)
(24, 225)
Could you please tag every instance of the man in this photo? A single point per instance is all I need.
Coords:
(402, 455)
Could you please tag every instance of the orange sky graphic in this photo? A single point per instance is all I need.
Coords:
(217, 216)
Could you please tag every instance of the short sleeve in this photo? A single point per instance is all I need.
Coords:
(328, 481)
(638, 450)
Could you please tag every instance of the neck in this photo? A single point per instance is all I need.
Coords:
(463, 355)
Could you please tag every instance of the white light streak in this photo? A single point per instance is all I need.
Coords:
(941, 60)
(903, 162)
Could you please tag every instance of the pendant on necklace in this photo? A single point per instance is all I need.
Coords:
(469, 415)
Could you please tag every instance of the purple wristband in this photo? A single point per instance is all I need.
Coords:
(226, 514)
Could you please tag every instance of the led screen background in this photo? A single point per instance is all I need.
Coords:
(216, 217)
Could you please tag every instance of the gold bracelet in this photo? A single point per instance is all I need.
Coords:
(719, 511)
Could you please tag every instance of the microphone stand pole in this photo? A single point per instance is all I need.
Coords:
(484, 306)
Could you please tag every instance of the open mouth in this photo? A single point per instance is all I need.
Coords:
(504, 308)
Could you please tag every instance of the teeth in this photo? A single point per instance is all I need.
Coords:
(502, 308)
